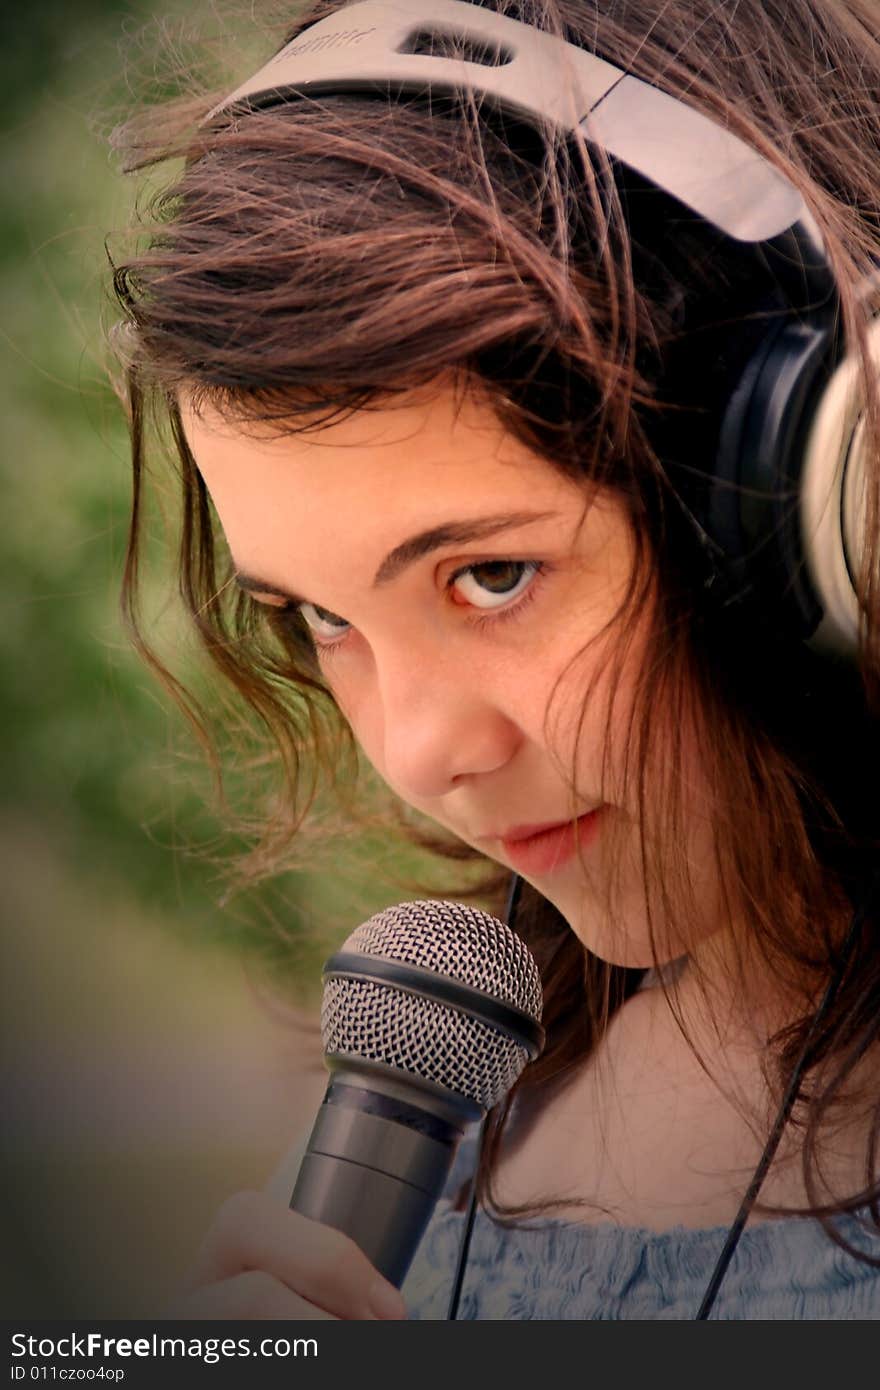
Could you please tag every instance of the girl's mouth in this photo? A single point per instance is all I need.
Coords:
(541, 849)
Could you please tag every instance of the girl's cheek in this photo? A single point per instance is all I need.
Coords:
(358, 702)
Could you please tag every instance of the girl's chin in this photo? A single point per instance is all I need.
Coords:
(635, 952)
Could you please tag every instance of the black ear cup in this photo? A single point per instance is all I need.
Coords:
(754, 513)
(782, 514)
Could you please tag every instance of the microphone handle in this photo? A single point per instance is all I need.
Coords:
(374, 1168)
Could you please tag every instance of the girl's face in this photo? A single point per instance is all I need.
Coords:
(454, 582)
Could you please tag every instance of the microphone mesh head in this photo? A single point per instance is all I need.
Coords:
(414, 1033)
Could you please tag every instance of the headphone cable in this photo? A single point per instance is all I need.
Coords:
(513, 897)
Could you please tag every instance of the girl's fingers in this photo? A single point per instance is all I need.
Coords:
(254, 1233)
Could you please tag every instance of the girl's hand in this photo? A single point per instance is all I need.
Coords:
(261, 1260)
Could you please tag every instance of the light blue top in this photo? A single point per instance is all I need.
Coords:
(786, 1268)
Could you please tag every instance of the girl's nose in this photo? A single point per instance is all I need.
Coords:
(440, 726)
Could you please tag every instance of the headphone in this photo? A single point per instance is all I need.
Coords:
(772, 480)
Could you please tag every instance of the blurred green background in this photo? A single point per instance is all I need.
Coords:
(158, 1048)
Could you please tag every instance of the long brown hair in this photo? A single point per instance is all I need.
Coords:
(328, 255)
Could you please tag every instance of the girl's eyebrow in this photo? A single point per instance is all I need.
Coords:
(450, 533)
(415, 548)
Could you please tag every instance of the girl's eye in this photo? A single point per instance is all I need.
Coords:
(490, 584)
(323, 624)
(494, 583)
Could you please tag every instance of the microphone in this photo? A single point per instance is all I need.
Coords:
(430, 1012)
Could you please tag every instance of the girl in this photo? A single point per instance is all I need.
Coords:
(460, 364)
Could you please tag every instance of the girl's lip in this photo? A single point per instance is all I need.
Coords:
(539, 849)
